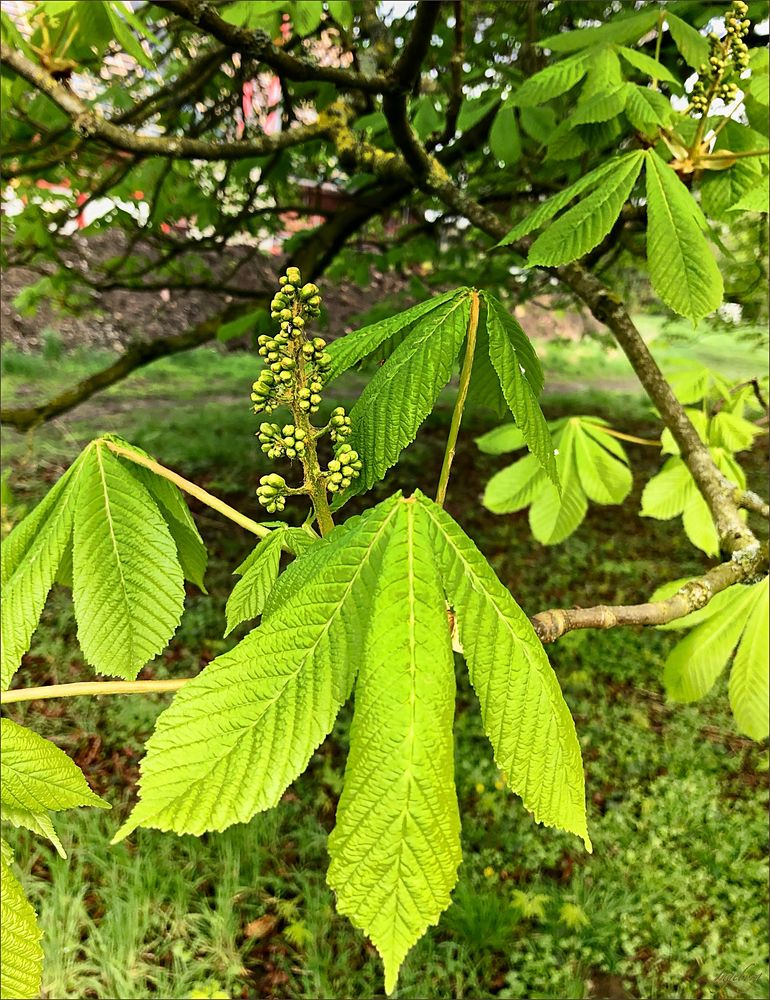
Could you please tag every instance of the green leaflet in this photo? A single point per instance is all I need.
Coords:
(524, 713)
(354, 347)
(402, 393)
(395, 848)
(513, 361)
(694, 664)
(21, 957)
(553, 81)
(646, 109)
(605, 73)
(749, 677)
(755, 199)
(591, 465)
(557, 202)
(239, 733)
(693, 46)
(666, 494)
(682, 267)
(601, 107)
(189, 545)
(128, 586)
(39, 778)
(618, 30)
(31, 556)
(646, 64)
(258, 575)
(586, 224)
(504, 137)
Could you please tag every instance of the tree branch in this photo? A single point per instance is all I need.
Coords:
(695, 594)
(259, 45)
(89, 123)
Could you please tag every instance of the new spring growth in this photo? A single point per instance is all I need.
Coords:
(727, 59)
(296, 369)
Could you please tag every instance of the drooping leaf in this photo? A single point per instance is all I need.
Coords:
(127, 581)
(240, 732)
(553, 81)
(31, 556)
(504, 137)
(402, 393)
(748, 687)
(353, 347)
(524, 713)
(258, 575)
(557, 202)
(585, 225)
(682, 267)
(21, 957)
(514, 370)
(646, 64)
(395, 848)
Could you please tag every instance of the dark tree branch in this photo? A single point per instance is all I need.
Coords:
(259, 45)
(90, 124)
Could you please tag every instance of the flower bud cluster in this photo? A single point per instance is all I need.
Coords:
(282, 442)
(343, 469)
(727, 57)
(339, 424)
(271, 492)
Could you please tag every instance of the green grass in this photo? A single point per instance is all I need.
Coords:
(673, 901)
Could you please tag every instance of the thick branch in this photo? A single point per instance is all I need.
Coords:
(742, 568)
(259, 45)
(89, 123)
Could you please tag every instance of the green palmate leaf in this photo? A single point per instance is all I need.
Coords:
(586, 224)
(21, 957)
(127, 581)
(755, 199)
(601, 107)
(682, 266)
(646, 109)
(395, 848)
(555, 204)
(524, 713)
(504, 138)
(693, 46)
(646, 64)
(514, 367)
(731, 431)
(354, 347)
(748, 690)
(239, 733)
(618, 30)
(694, 664)
(551, 82)
(31, 556)
(258, 575)
(403, 392)
(515, 487)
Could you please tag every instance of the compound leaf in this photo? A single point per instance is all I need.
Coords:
(127, 582)
(239, 733)
(21, 957)
(682, 267)
(524, 713)
(395, 848)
